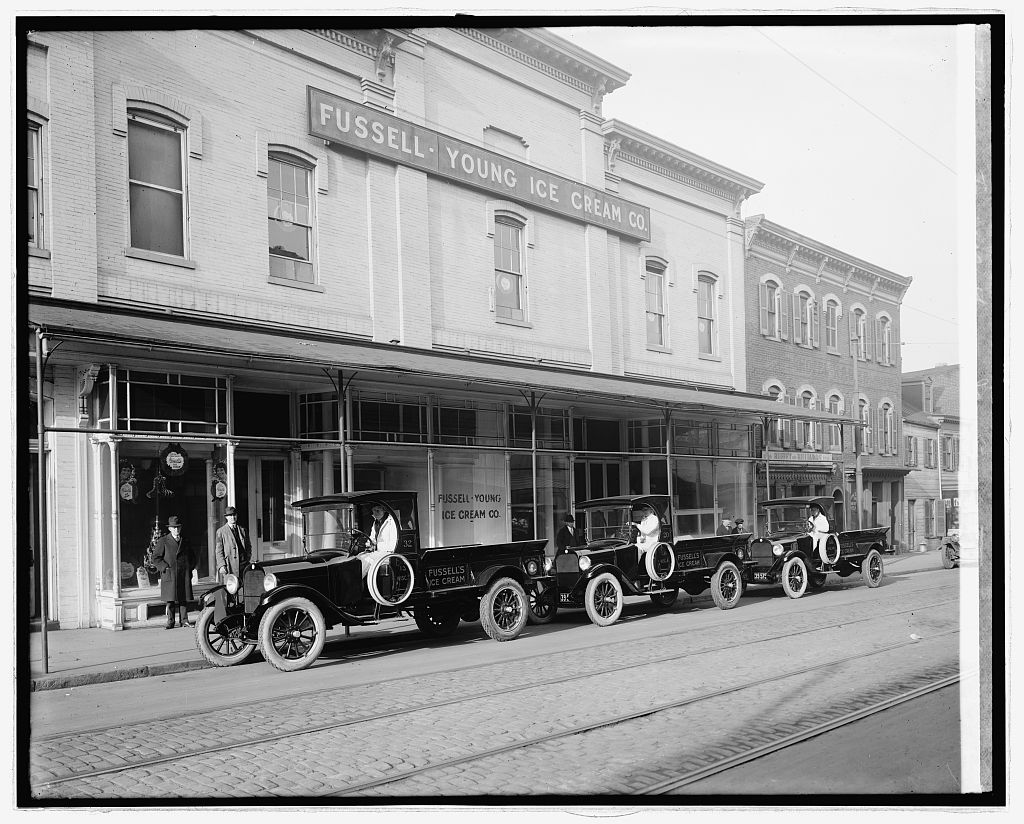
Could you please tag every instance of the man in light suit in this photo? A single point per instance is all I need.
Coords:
(233, 546)
(382, 539)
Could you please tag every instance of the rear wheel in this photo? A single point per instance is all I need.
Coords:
(664, 600)
(504, 609)
(603, 599)
(794, 577)
(223, 644)
(726, 585)
(292, 634)
(437, 623)
(543, 603)
(872, 568)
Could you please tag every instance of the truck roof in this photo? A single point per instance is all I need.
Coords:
(801, 500)
(623, 500)
(361, 497)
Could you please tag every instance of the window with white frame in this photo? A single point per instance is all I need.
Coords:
(929, 516)
(35, 186)
(803, 319)
(804, 430)
(864, 413)
(771, 296)
(929, 453)
(950, 453)
(832, 326)
(910, 451)
(883, 341)
(859, 334)
(509, 303)
(290, 218)
(835, 437)
(706, 332)
(156, 183)
(775, 430)
(887, 443)
(654, 300)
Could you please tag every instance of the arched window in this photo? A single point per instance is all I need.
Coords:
(864, 413)
(509, 302)
(858, 333)
(771, 300)
(805, 319)
(883, 340)
(835, 406)
(35, 185)
(887, 437)
(832, 325)
(290, 218)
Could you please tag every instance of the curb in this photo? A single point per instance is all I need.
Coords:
(59, 682)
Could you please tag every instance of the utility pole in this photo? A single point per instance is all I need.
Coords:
(855, 415)
(44, 565)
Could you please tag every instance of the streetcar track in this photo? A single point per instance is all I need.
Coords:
(322, 693)
(615, 720)
(772, 747)
(504, 691)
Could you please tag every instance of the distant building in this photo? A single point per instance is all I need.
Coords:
(931, 399)
(823, 333)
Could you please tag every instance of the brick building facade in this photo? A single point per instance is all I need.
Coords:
(266, 265)
(823, 332)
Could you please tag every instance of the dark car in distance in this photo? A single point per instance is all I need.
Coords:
(284, 607)
(786, 555)
(950, 549)
(614, 563)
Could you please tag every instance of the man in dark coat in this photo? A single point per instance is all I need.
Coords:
(233, 546)
(175, 560)
(568, 535)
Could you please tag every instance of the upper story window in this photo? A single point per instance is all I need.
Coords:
(883, 341)
(835, 406)
(35, 184)
(887, 438)
(775, 431)
(832, 326)
(950, 453)
(162, 402)
(910, 456)
(654, 289)
(156, 184)
(864, 413)
(290, 219)
(858, 334)
(804, 430)
(929, 453)
(509, 302)
(805, 320)
(771, 300)
(706, 331)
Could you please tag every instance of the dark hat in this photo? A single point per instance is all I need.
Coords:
(173, 521)
(569, 519)
(739, 520)
(230, 511)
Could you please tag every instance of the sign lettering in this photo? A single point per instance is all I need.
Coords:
(359, 127)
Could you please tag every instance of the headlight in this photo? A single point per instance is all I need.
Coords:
(584, 563)
(231, 583)
(532, 567)
(741, 553)
(269, 581)
(777, 549)
(548, 563)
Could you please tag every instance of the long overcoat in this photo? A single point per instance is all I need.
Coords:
(175, 561)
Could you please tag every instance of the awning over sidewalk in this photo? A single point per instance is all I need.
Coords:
(100, 330)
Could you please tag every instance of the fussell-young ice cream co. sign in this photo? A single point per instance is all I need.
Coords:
(360, 127)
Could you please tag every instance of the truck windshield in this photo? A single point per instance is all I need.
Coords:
(328, 528)
(608, 522)
(788, 518)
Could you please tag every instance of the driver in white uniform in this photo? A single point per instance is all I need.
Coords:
(382, 539)
(649, 527)
(818, 528)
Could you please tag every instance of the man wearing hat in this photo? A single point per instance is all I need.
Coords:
(233, 546)
(174, 558)
(568, 535)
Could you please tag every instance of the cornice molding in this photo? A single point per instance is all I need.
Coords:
(347, 41)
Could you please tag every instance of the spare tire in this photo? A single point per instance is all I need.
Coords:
(390, 580)
(660, 562)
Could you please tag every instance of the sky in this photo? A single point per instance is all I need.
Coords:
(852, 129)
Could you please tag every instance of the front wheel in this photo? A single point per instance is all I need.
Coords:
(604, 599)
(794, 577)
(664, 600)
(504, 610)
(543, 603)
(435, 622)
(223, 644)
(726, 585)
(872, 568)
(292, 634)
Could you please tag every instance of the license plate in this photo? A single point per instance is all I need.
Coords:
(563, 597)
(760, 576)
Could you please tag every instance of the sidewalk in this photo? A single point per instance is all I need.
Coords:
(78, 657)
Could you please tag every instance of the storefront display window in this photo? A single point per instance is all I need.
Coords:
(552, 495)
(694, 497)
(735, 482)
(471, 506)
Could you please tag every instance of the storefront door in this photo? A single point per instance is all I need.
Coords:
(260, 500)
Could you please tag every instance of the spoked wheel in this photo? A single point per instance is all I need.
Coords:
(292, 634)
(223, 644)
(543, 603)
(504, 610)
(664, 600)
(794, 577)
(604, 599)
(726, 585)
(435, 622)
(948, 559)
(872, 568)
